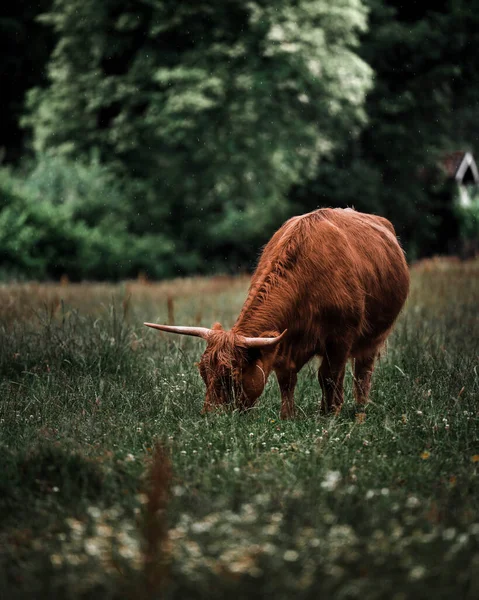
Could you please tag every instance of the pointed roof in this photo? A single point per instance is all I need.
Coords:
(461, 166)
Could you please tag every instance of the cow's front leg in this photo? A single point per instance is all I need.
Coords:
(287, 382)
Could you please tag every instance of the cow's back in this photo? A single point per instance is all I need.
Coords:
(335, 270)
(379, 263)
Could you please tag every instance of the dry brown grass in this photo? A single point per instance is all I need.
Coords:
(25, 301)
(446, 263)
(203, 300)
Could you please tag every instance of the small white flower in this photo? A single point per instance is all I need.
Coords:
(449, 534)
(201, 527)
(291, 556)
(412, 502)
(94, 512)
(126, 551)
(92, 547)
(331, 480)
(417, 572)
(269, 548)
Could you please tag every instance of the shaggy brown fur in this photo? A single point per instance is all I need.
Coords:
(336, 280)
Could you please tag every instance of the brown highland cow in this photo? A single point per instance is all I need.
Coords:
(330, 283)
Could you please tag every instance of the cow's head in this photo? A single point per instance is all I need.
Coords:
(234, 367)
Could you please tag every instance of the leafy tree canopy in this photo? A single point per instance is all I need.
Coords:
(220, 106)
(424, 103)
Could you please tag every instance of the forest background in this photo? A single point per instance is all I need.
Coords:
(162, 138)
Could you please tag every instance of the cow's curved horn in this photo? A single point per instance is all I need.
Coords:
(263, 342)
(202, 332)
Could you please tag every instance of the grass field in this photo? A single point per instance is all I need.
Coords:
(114, 486)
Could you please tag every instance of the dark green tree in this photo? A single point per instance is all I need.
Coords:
(25, 46)
(216, 108)
(425, 103)
(63, 217)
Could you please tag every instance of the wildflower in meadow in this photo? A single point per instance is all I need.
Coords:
(331, 480)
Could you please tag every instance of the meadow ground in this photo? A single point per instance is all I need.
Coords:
(114, 486)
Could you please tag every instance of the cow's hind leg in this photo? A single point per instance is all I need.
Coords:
(331, 378)
(363, 370)
(287, 382)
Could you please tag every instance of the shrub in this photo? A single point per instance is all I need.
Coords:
(468, 218)
(61, 217)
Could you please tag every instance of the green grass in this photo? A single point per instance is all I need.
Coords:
(316, 507)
